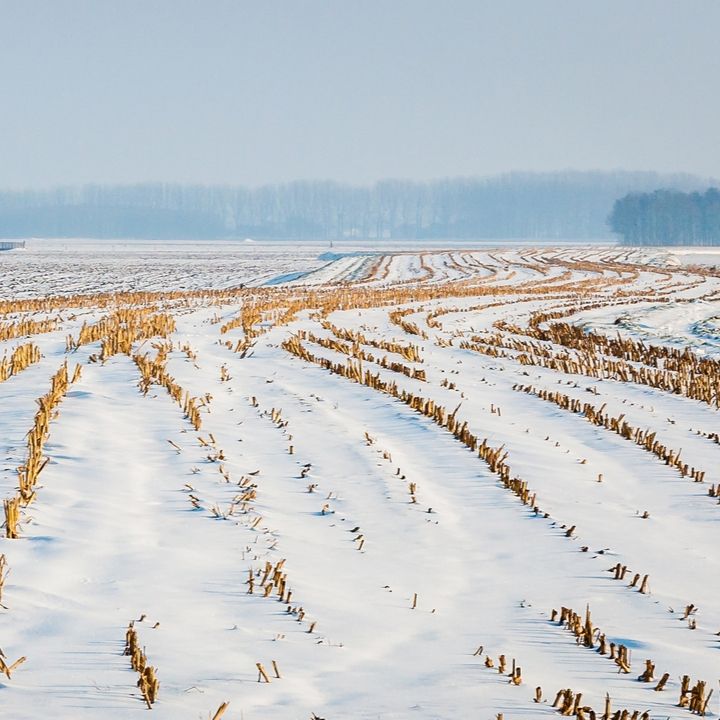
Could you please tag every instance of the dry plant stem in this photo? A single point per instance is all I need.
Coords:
(35, 462)
(4, 572)
(262, 675)
(21, 358)
(11, 506)
(220, 711)
(7, 670)
(148, 682)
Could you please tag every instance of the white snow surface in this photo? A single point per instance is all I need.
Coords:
(112, 535)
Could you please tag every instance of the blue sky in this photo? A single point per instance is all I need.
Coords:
(255, 92)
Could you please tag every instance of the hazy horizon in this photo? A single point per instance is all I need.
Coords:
(690, 178)
(249, 94)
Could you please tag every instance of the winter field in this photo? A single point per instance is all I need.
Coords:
(374, 484)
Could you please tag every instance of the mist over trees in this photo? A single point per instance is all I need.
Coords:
(668, 217)
(567, 205)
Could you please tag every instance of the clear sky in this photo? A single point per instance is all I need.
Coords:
(233, 91)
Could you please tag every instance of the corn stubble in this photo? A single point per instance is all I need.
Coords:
(545, 342)
(148, 682)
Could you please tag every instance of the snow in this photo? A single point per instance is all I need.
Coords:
(113, 536)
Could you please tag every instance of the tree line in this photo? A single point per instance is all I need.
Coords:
(568, 205)
(668, 217)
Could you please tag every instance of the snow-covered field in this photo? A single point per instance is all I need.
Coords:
(376, 474)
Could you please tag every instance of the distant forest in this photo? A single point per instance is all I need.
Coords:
(667, 217)
(568, 205)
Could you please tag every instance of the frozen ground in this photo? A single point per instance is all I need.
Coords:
(373, 506)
